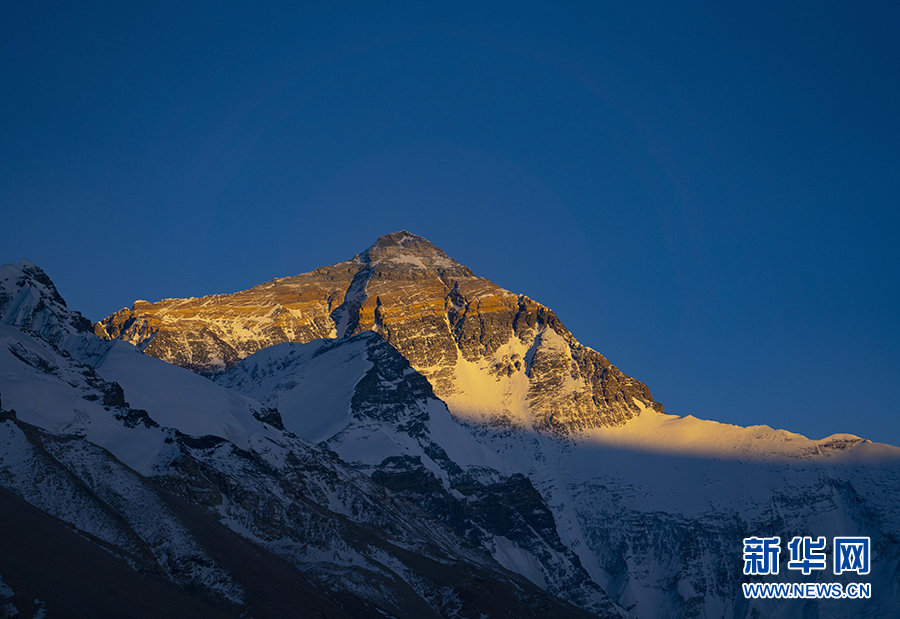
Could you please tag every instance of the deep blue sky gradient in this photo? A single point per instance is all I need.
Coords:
(707, 195)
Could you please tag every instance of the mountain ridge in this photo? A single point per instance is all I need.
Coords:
(596, 518)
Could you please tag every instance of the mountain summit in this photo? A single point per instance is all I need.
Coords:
(492, 355)
(404, 249)
(30, 301)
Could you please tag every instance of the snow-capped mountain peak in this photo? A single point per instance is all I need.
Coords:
(492, 355)
(406, 250)
(30, 301)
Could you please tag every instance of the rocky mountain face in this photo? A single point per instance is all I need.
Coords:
(488, 353)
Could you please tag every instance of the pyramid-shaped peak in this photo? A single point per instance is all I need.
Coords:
(404, 242)
(406, 249)
(26, 273)
(23, 266)
(30, 301)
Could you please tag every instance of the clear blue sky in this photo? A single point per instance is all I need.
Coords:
(707, 195)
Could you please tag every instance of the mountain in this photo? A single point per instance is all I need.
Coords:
(394, 435)
(488, 353)
(197, 496)
(653, 507)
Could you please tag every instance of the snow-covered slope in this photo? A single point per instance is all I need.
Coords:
(661, 433)
(185, 401)
(658, 508)
(60, 377)
(655, 509)
(47, 387)
(361, 399)
(323, 391)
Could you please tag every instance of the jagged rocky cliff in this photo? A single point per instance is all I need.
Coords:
(490, 354)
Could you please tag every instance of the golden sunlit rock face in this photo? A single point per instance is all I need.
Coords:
(494, 356)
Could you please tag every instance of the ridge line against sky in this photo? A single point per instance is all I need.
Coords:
(706, 195)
